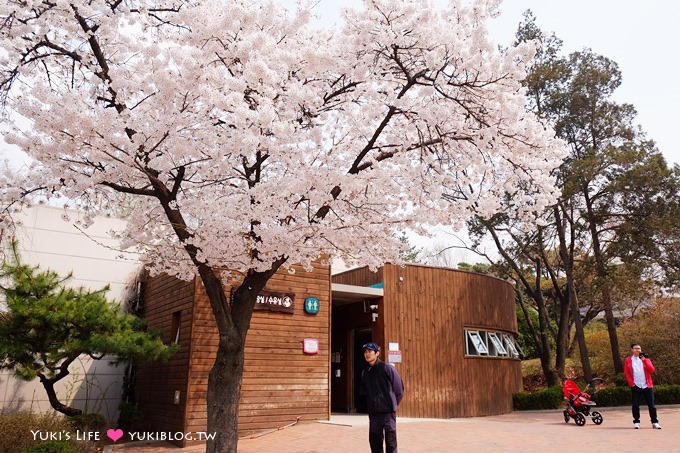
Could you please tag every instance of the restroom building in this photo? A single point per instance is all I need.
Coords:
(451, 334)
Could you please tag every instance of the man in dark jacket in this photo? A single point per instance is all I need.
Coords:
(384, 391)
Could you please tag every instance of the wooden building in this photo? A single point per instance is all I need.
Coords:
(451, 334)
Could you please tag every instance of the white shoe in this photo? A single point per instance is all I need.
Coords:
(656, 426)
(636, 425)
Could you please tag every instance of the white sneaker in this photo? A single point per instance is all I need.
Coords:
(636, 425)
(656, 426)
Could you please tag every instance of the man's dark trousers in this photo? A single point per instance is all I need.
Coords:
(379, 423)
(636, 393)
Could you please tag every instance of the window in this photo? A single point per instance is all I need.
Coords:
(476, 344)
(513, 347)
(497, 345)
(176, 325)
(491, 344)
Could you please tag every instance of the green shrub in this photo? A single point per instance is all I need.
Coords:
(667, 394)
(129, 415)
(16, 436)
(88, 422)
(613, 396)
(620, 380)
(52, 446)
(620, 396)
(15, 429)
(549, 398)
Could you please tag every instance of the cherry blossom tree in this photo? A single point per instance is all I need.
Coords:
(235, 135)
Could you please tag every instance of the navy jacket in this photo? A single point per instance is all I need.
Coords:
(384, 388)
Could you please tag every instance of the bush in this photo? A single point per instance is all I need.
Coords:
(129, 415)
(16, 436)
(550, 398)
(613, 396)
(88, 422)
(52, 446)
(620, 396)
(620, 380)
(667, 394)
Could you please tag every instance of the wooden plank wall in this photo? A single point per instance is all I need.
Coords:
(362, 276)
(426, 312)
(156, 382)
(280, 383)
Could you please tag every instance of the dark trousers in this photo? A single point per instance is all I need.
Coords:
(379, 424)
(648, 393)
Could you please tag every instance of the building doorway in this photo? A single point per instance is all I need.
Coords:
(361, 337)
(352, 326)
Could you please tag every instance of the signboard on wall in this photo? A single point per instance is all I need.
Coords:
(393, 356)
(275, 301)
(312, 305)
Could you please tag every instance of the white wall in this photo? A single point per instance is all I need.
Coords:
(47, 240)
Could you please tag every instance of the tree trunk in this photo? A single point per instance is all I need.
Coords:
(580, 335)
(224, 393)
(605, 289)
(224, 381)
(58, 406)
(551, 376)
(567, 255)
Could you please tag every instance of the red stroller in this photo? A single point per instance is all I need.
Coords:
(579, 403)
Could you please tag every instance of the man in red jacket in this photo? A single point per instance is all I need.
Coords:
(638, 369)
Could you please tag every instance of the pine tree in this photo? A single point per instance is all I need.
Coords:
(48, 325)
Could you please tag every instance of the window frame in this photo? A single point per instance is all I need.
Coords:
(494, 343)
(498, 344)
(472, 335)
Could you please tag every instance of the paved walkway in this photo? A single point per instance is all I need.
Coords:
(535, 431)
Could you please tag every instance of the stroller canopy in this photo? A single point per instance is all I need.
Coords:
(570, 388)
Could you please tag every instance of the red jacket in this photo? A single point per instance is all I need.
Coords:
(628, 371)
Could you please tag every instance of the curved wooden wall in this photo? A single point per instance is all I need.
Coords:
(426, 310)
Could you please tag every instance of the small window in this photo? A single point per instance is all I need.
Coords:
(176, 326)
(476, 344)
(498, 348)
(512, 346)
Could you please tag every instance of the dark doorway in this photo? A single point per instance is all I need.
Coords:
(361, 337)
(351, 329)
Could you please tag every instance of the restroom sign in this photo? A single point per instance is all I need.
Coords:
(312, 305)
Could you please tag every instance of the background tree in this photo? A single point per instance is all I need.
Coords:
(604, 194)
(48, 325)
(237, 137)
(523, 256)
(409, 253)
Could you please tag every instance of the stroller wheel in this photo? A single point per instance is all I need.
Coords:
(597, 417)
(580, 419)
(566, 416)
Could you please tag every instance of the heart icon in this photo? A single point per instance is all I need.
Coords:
(114, 434)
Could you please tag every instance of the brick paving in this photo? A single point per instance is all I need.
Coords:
(535, 431)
